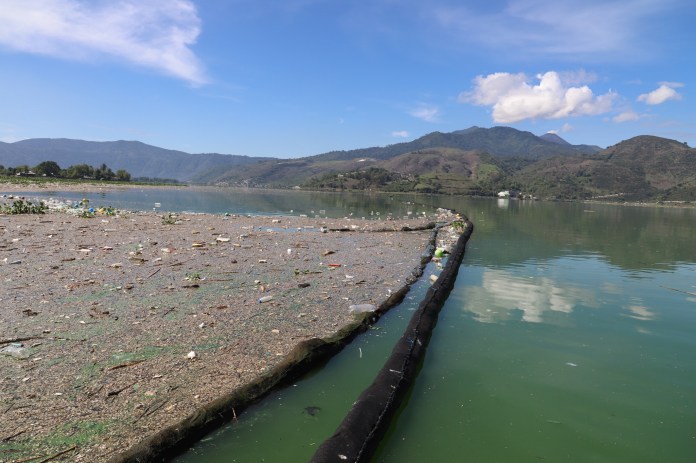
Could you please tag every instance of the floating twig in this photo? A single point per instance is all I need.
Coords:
(74, 447)
(153, 273)
(126, 364)
(679, 290)
(9, 438)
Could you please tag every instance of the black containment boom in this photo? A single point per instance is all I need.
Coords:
(358, 435)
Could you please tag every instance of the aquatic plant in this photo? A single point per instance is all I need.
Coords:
(21, 206)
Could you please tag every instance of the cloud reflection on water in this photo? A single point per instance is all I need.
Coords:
(502, 294)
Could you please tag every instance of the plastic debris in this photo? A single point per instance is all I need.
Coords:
(433, 278)
(362, 308)
(191, 355)
(265, 299)
(16, 350)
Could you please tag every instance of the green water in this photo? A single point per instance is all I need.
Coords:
(248, 201)
(570, 336)
(566, 339)
(290, 424)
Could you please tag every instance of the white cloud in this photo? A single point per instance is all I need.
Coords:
(426, 113)
(626, 116)
(664, 92)
(671, 84)
(400, 134)
(565, 128)
(592, 28)
(150, 33)
(514, 99)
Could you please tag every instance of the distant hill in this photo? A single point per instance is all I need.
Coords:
(639, 168)
(139, 159)
(553, 138)
(500, 142)
(472, 161)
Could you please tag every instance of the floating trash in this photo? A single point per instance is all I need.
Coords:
(362, 308)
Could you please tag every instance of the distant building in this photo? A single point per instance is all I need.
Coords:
(504, 194)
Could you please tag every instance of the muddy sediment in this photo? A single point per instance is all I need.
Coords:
(114, 328)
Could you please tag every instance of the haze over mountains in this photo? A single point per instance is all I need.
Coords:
(140, 159)
(143, 160)
(471, 161)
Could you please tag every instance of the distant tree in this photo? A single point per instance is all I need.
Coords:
(104, 172)
(123, 176)
(79, 171)
(48, 168)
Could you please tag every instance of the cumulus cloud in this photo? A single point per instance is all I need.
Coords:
(665, 92)
(150, 33)
(400, 134)
(513, 98)
(426, 113)
(626, 116)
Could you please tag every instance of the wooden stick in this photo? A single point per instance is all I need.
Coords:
(9, 438)
(26, 459)
(153, 273)
(74, 447)
(127, 364)
(20, 339)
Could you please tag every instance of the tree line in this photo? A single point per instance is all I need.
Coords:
(77, 171)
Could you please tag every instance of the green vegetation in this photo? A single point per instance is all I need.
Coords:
(22, 206)
(169, 219)
(367, 179)
(51, 169)
(155, 180)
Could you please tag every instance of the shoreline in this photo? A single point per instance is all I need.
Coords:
(124, 325)
(11, 187)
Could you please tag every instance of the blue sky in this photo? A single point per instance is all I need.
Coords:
(289, 78)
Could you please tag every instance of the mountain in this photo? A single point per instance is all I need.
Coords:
(642, 167)
(139, 159)
(553, 138)
(471, 161)
(500, 142)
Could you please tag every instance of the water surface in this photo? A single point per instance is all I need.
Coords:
(569, 336)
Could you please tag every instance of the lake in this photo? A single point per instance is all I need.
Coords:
(570, 336)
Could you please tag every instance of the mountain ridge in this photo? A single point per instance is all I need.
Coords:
(469, 161)
(138, 158)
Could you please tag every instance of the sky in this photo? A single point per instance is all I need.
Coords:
(292, 78)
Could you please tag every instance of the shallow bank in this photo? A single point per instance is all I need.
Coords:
(129, 324)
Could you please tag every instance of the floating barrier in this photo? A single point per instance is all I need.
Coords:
(358, 436)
